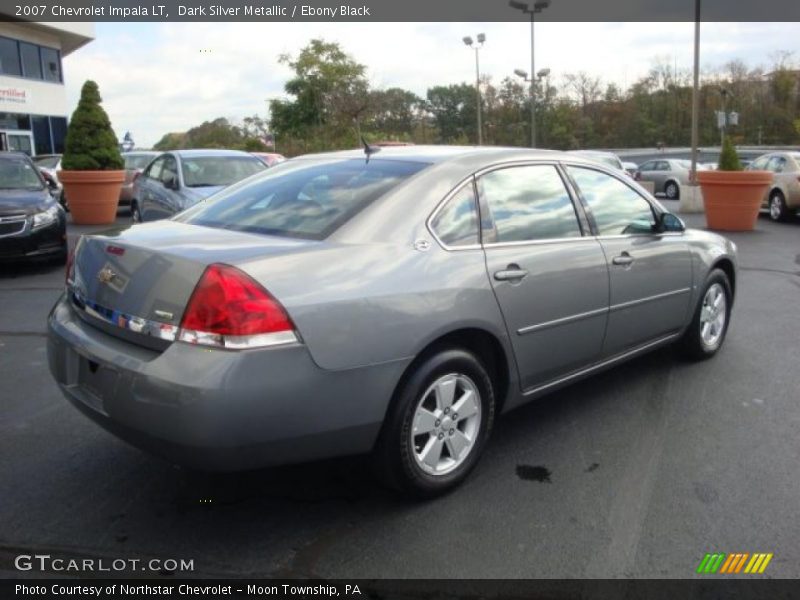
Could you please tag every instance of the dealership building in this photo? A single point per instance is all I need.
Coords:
(33, 100)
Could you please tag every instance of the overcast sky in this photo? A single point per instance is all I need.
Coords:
(158, 78)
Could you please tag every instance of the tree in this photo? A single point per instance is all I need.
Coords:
(90, 144)
(330, 96)
(453, 108)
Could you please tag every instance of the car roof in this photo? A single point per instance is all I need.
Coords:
(442, 154)
(209, 152)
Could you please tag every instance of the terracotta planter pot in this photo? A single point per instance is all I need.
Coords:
(93, 196)
(732, 198)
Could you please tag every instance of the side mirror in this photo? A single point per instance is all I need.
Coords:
(171, 183)
(669, 223)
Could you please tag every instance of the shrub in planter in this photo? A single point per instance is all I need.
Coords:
(92, 165)
(732, 197)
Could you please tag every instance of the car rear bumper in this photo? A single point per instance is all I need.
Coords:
(217, 409)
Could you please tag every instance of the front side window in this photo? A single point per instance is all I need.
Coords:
(760, 163)
(306, 199)
(527, 203)
(456, 224)
(169, 172)
(617, 209)
(776, 164)
(648, 166)
(154, 170)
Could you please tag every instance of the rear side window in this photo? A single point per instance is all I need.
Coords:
(456, 224)
(301, 198)
(617, 209)
(527, 203)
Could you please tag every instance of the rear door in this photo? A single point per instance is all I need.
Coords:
(650, 273)
(548, 273)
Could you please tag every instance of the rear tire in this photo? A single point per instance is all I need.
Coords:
(672, 191)
(426, 448)
(708, 328)
(777, 207)
(136, 215)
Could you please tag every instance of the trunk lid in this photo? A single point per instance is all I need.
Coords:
(136, 283)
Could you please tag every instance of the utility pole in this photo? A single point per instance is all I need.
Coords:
(695, 92)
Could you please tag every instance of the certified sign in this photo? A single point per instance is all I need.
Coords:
(14, 95)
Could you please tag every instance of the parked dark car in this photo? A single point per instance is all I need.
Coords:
(135, 162)
(32, 222)
(395, 302)
(176, 180)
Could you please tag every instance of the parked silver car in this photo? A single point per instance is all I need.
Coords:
(179, 179)
(783, 196)
(136, 162)
(394, 303)
(667, 175)
(607, 158)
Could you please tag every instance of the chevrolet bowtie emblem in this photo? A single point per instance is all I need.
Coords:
(106, 275)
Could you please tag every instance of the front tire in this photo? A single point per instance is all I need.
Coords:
(706, 333)
(438, 424)
(777, 207)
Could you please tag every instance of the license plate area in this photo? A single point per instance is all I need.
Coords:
(95, 382)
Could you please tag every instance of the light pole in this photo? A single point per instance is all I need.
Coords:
(695, 92)
(477, 46)
(539, 76)
(526, 8)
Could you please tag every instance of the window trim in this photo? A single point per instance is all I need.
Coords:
(470, 180)
(582, 225)
(657, 212)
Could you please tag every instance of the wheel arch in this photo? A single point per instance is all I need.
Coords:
(726, 266)
(481, 342)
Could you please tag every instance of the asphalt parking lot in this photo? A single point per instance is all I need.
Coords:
(637, 472)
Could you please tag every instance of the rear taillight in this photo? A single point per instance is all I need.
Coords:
(637, 176)
(228, 309)
(69, 276)
(136, 176)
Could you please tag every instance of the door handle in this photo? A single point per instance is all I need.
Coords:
(623, 260)
(511, 273)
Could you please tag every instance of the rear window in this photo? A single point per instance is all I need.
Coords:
(302, 199)
(138, 161)
(47, 162)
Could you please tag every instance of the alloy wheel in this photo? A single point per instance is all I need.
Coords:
(713, 315)
(446, 424)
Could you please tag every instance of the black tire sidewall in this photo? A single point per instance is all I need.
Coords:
(397, 453)
(666, 190)
(781, 202)
(693, 341)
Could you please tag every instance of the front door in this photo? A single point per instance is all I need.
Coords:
(550, 277)
(650, 272)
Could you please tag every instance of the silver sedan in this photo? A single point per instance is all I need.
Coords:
(392, 303)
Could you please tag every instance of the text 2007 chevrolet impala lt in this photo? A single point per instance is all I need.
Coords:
(391, 302)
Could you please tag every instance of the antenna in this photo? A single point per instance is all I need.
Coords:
(369, 150)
